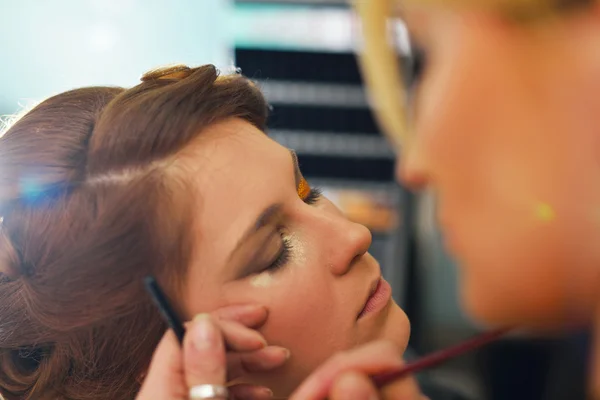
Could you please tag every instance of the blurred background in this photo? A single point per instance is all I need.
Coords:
(302, 55)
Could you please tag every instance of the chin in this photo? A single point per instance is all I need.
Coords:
(397, 327)
(531, 313)
(487, 307)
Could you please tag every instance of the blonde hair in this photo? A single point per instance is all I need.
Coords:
(380, 65)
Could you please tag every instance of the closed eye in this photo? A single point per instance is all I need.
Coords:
(313, 196)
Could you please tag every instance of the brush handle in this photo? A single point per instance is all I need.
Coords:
(166, 310)
(438, 357)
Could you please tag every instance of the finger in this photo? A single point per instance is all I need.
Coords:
(371, 359)
(165, 377)
(250, 315)
(240, 338)
(406, 388)
(249, 392)
(266, 359)
(204, 353)
(353, 386)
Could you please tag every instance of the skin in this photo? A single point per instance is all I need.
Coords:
(238, 172)
(506, 136)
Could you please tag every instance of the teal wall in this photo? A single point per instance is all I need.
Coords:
(49, 46)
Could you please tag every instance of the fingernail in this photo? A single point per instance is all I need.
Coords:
(288, 354)
(202, 316)
(267, 392)
(253, 307)
(205, 333)
(348, 386)
(345, 384)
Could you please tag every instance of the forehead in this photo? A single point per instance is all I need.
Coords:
(237, 172)
(222, 148)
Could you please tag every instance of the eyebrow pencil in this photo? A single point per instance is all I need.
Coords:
(160, 300)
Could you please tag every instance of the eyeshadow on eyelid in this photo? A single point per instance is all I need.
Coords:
(303, 189)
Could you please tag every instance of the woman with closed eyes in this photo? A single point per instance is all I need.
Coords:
(175, 177)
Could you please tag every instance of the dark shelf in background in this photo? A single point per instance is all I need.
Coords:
(301, 66)
(344, 120)
(348, 169)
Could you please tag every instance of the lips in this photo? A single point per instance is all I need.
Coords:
(374, 287)
(374, 291)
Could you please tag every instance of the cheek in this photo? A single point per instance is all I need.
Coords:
(306, 317)
(307, 313)
(525, 298)
(470, 90)
(301, 308)
(305, 302)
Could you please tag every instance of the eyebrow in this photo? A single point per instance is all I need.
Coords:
(269, 214)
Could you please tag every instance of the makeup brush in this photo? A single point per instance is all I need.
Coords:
(439, 357)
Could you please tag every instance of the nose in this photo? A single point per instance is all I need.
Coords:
(353, 241)
(411, 170)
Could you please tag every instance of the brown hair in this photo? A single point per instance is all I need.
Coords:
(91, 201)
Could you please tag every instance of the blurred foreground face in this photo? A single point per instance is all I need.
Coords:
(508, 136)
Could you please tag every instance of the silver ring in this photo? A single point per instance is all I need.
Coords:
(205, 392)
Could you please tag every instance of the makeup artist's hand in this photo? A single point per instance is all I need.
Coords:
(202, 360)
(345, 376)
(172, 371)
(247, 350)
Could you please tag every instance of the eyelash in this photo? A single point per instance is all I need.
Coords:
(313, 196)
(284, 255)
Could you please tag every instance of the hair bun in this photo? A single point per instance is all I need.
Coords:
(172, 72)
